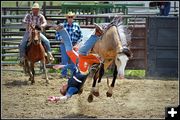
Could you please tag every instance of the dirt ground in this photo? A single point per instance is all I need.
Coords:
(132, 98)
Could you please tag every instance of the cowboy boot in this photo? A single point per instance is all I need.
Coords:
(99, 31)
(50, 56)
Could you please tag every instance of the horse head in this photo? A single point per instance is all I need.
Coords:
(121, 57)
(35, 34)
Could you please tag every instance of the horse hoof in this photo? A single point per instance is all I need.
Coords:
(32, 82)
(96, 93)
(90, 98)
(108, 94)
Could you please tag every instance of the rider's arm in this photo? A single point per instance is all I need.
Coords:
(26, 19)
(44, 22)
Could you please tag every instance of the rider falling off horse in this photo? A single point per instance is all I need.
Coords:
(37, 19)
(81, 59)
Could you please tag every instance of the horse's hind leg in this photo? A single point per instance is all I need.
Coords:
(101, 73)
(95, 91)
(110, 91)
(95, 77)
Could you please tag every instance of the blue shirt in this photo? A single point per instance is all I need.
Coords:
(74, 32)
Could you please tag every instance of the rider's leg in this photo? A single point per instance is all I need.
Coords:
(68, 45)
(64, 59)
(22, 47)
(47, 44)
(72, 54)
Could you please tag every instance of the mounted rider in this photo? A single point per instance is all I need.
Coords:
(37, 19)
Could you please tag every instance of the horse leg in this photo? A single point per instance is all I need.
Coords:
(32, 72)
(27, 67)
(45, 71)
(90, 97)
(110, 91)
(101, 73)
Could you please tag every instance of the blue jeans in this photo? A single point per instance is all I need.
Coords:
(165, 11)
(23, 43)
(65, 60)
(71, 91)
(84, 49)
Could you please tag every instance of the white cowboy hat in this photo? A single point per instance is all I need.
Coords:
(35, 5)
(70, 14)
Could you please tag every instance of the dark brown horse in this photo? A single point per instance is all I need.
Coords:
(34, 53)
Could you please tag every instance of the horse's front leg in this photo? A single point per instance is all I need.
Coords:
(32, 72)
(110, 91)
(27, 66)
(45, 71)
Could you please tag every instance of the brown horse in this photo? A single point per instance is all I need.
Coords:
(109, 48)
(34, 53)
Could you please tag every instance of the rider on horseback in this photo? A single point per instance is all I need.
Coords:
(37, 19)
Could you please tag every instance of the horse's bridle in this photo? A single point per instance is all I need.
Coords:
(33, 32)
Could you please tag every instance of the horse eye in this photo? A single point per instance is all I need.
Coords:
(118, 59)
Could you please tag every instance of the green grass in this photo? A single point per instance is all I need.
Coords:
(135, 73)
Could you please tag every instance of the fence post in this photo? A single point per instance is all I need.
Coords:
(44, 9)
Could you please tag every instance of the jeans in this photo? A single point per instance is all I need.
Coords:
(65, 60)
(86, 47)
(83, 50)
(24, 41)
(165, 9)
(71, 91)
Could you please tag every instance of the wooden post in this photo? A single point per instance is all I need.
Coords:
(51, 4)
(17, 5)
(44, 9)
(29, 4)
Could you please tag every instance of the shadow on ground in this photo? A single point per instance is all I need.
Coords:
(78, 116)
(16, 83)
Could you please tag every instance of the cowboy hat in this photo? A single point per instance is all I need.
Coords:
(70, 14)
(35, 5)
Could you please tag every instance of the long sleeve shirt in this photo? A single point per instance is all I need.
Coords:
(36, 20)
(74, 31)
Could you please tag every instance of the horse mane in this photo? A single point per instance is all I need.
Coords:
(118, 23)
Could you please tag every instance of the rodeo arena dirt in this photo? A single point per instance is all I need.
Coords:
(133, 97)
